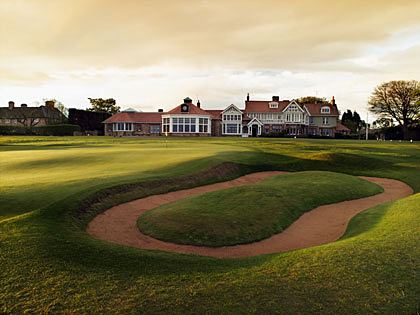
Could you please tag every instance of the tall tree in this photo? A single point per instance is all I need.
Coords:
(397, 100)
(352, 121)
(312, 99)
(347, 117)
(103, 105)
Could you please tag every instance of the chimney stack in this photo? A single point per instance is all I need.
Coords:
(333, 100)
(160, 110)
(276, 98)
(23, 105)
(11, 105)
(247, 97)
(198, 104)
(49, 104)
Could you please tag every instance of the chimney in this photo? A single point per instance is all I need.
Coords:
(247, 97)
(198, 104)
(160, 110)
(276, 98)
(333, 101)
(23, 105)
(49, 104)
(11, 105)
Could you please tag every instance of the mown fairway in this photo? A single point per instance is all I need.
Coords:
(49, 264)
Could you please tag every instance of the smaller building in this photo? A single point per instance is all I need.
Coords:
(25, 116)
(132, 123)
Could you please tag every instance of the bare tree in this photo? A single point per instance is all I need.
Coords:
(397, 100)
(28, 121)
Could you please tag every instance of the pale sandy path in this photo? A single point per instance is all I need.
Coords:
(321, 225)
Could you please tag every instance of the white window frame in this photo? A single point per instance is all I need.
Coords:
(122, 126)
(169, 121)
(325, 110)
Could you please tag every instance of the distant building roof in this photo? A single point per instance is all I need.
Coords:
(31, 112)
(263, 106)
(341, 127)
(315, 109)
(135, 117)
(130, 110)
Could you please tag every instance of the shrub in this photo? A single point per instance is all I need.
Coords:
(55, 130)
(14, 130)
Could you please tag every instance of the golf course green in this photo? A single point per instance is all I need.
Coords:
(52, 187)
(250, 213)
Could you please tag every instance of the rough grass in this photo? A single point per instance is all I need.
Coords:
(250, 213)
(50, 265)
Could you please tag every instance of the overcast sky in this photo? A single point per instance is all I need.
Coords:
(151, 54)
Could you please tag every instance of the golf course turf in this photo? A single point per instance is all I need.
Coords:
(250, 213)
(52, 187)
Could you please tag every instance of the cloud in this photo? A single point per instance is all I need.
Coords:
(153, 53)
(236, 33)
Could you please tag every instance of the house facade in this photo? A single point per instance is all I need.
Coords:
(257, 118)
(26, 116)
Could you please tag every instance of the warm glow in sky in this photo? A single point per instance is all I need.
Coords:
(151, 54)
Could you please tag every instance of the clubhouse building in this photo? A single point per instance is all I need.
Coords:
(273, 117)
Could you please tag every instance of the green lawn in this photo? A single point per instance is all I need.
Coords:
(250, 213)
(51, 187)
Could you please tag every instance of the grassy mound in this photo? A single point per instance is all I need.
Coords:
(250, 213)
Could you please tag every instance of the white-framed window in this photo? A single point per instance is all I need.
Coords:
(273, 105)
(311, 120)
(203, 125)
(121, 126)
(231, 117)
(325, 120)
(232, 128)
(183, 124)
(166, 123)
(325, 110)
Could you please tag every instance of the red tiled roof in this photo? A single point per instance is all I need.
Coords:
(315, 109)
(341, 127)
(215, 113)
(135, 117)
(193, 110)
(263, 107)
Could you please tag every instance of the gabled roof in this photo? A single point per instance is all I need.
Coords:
(293, 102)
(31, 112)
(255, 120)
(135, 117)
(193, 110)
(315, 109)
(263, 107)
(232, 106)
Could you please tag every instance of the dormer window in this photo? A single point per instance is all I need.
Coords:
(273, 105)
(325, 110)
